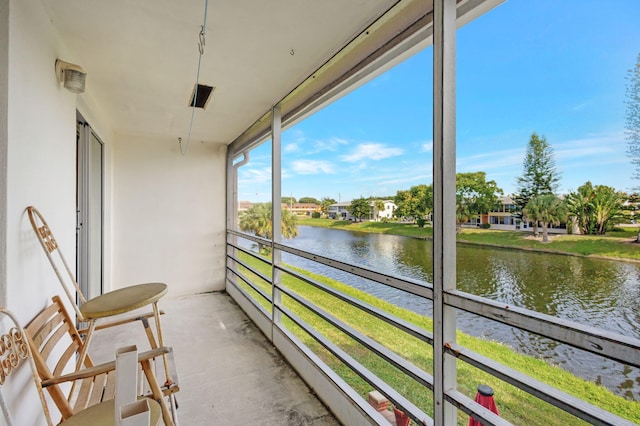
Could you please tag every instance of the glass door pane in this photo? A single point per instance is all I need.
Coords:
(90, 222)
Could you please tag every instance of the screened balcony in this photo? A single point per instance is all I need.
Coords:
(168, 203)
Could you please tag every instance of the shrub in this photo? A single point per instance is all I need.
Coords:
(421, 222)
(315, 215)
(485, 226)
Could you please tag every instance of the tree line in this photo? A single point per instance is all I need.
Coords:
(593, 208)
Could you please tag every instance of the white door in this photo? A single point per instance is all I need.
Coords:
(89, 211)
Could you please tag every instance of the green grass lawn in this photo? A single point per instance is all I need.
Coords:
(515, 405)
(617, 244)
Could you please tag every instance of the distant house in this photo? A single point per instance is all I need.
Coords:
(386, 213)
(340, 211)
(301, 209)
(506, 218)
(243, 206)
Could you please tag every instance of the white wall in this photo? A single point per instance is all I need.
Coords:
(40, 157)
(4, 140)
(168, 214)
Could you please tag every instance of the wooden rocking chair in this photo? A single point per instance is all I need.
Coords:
(15, 351)
(55, 343)
(106, 305)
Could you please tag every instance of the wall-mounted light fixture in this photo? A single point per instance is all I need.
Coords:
(72, 76)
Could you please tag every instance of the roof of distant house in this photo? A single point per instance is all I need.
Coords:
(302, 205)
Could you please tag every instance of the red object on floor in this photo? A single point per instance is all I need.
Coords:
(401, 418)
(484, 397)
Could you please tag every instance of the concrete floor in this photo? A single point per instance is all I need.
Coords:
(228, 372)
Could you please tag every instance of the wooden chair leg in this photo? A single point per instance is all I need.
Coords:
(87, 339)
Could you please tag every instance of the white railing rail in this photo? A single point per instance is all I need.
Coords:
(607, 344)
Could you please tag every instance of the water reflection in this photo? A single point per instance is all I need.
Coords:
(595, 292)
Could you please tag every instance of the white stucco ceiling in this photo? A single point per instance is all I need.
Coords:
(141, 56)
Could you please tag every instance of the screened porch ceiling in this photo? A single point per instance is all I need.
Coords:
(141, 57)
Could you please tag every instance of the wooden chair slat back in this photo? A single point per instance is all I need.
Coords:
(35, 326)
(54, 335)
(54, 340)
(65, 359)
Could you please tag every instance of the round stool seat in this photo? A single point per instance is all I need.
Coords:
(123, 300)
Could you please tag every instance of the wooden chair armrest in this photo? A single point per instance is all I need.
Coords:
(103, 368)
(127, 320)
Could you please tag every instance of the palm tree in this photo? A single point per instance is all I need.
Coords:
(579, 204)
(378, 206)
(607, 207)
(289, 225)
(546, 209)
(595, 208)
(463, 213)
(257, 219)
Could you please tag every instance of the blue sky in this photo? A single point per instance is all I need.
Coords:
(554, 67)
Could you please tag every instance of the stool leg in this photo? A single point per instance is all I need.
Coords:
(156, 314)
(174, 408)
(149, 332)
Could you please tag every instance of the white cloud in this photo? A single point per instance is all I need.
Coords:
(613, 143)
(292, 147)
(571, 150)
(330, 144)
(582, 105)
(413, 179)
(490, 161)
(253, 176)
(312, 167)
(426, 147)
(371, 151)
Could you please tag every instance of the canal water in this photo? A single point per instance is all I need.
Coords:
(599, 293)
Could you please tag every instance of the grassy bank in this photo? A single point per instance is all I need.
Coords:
(515, 405)
(618, 244)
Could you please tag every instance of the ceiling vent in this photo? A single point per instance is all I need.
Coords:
(201, 96)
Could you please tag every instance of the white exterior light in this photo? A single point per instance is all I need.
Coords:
(72, 76)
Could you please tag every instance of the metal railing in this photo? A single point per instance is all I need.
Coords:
(246, 279)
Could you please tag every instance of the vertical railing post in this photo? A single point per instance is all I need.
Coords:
(232, 206)
(232, 211)
(444, 205)
(276, 196)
